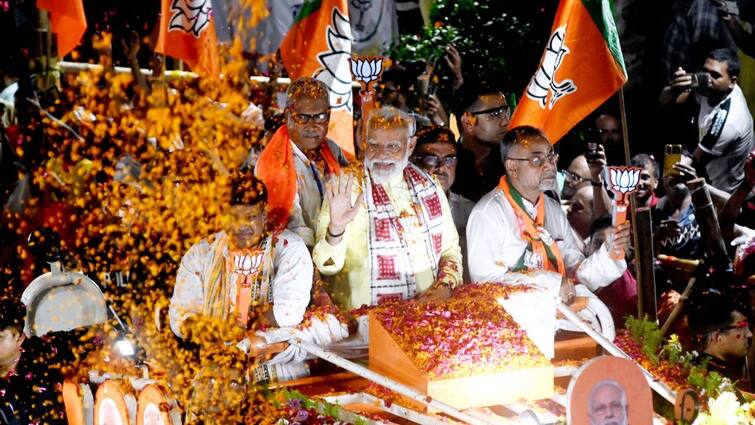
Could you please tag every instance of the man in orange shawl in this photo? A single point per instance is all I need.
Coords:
(516, 228)
(298, 160)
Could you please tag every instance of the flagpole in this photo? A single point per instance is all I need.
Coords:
(644, 257)
(624, 130)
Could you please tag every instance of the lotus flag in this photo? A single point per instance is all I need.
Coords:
(581, 67)
(187, 32)
(319, 45)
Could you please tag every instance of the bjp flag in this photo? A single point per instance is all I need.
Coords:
(319, 45)
(187, 32)
(68, 22)
(581, 67)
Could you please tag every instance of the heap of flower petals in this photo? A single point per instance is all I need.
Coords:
(468, 334)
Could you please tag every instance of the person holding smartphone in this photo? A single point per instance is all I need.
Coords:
(676, 230)
(725, 126)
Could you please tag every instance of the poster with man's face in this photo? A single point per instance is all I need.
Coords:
(609, 391)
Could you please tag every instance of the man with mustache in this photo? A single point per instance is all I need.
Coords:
(515, 228)
(298, 159)
(387, 235)
(436, 154)
(608, 404)
(227, 276)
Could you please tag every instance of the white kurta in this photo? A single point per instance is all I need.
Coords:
(290, 281)
(494, 245)
(310, 187)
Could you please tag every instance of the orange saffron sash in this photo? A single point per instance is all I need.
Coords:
(530, 229)
(276, 168)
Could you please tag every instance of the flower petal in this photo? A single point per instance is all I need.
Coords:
(623, 178)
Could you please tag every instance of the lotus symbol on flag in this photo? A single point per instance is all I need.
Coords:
(334, 71)
(191, 16)
(543, 84)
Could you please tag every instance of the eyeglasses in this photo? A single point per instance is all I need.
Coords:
(742, 324)
(433, 161)
(320, 118)
(538, 160)
(493, 114)
(574, 178)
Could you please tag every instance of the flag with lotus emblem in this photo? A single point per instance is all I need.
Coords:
(187, 32)
(319, 45)
(581, 67)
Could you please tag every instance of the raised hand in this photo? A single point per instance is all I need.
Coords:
(682, 80)
(435, 111)
(686, 172)
(597, 164)
(342, 210)
(453, 60)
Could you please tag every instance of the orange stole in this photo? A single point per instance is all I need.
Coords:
(528, 228)
(276, 168)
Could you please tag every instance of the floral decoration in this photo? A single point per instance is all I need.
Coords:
(468, 334)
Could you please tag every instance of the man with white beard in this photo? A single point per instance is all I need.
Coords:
(387, 234)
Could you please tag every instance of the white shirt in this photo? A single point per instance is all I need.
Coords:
(494, 245)
(290, 281)
(726, 169)
(308, 200)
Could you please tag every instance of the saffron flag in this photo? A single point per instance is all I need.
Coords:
(68, 22)
(319, 45)
(187, 32)
(581, 67)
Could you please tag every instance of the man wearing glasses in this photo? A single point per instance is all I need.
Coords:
(721, 331)
(515, 228)
(483, 114)
(297, 160)
(436, 153)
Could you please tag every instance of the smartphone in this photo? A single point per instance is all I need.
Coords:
(592, 151)
(700, 80)
(672, 155)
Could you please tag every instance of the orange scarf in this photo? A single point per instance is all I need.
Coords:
(531, 230)
(276, 168)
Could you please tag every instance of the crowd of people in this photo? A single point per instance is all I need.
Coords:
(440, 193)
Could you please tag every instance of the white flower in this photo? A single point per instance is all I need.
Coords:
(725, 410)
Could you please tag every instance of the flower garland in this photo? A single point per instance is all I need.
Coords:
(468, 334)
(643, 342)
